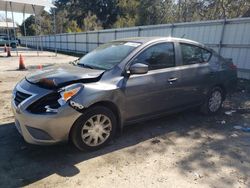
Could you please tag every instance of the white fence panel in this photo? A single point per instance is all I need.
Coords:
(162, 32)
(126, 33)
(106, 36)
(231, 38)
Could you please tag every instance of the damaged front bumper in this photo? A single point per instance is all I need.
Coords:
(45, 128)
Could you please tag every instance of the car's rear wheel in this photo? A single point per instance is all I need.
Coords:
(213, 101)
(94, 129)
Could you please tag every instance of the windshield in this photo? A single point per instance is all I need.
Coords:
(108, 55)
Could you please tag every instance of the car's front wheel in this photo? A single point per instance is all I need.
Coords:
(94, 129)
(213, 101)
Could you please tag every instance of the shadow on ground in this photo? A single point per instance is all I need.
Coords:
(22, 164)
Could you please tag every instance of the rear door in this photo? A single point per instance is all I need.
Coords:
(195, 73)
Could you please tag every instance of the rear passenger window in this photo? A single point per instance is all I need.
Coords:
(158, 56)
(193, 54)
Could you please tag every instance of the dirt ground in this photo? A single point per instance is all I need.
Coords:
(182, 150)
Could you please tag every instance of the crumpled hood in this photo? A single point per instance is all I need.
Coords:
(60, 76)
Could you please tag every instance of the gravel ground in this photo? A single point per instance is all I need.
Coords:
(181, 150)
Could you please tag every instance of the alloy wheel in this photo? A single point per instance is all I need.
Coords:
(215, 101)
(96, 130)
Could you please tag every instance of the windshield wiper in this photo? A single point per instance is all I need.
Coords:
(75, 62)
(84, 65)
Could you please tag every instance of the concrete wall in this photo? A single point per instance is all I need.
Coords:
(231, 38)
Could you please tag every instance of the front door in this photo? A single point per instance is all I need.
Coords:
(154, 91)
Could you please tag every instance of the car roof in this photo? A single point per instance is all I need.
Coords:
(155, 39)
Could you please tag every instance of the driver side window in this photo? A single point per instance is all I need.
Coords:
(158, 56)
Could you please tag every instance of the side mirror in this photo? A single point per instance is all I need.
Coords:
(138, 68)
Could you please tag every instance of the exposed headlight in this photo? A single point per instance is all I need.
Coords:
(53, 101)
(68, 92)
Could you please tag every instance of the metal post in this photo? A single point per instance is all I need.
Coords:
(67, 39)
(75, 41)
(39, 36)
(13, 21)
(60, 41)
(139, 32)
(115, 34)
(33, 41)
(87, 42)
(34, 11)
(49, 42)
(54, 16)
(24, 26)
(98, 40)
(42, 42)
(39, 27)
(222, 36)
(172, 30)
(6, 19)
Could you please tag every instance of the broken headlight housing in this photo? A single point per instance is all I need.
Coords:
(51, 102)
(68, 92)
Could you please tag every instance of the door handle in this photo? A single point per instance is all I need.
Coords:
(172, 80)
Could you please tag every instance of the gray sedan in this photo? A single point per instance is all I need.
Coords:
(120, 83)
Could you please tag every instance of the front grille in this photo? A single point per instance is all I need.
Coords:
(39, 106)
(20, 97)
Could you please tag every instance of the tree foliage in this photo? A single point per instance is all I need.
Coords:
(38, 25)
(84, 15)
(91, 22)
(128, 13)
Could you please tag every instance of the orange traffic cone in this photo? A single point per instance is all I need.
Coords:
(8, 52)
(40, 67)
(21, 63)
(5, 48)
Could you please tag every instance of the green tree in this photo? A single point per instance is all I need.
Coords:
(43, 25)
(91, 22)
(195, 10)
(128, 13)
(31, 29)
(105, 10)
(156, 12)
(79, 15)
(148, 12)
(72, 27)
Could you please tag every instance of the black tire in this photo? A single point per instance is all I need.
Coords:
(76, 131)
(13, 45)
(206, 107)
